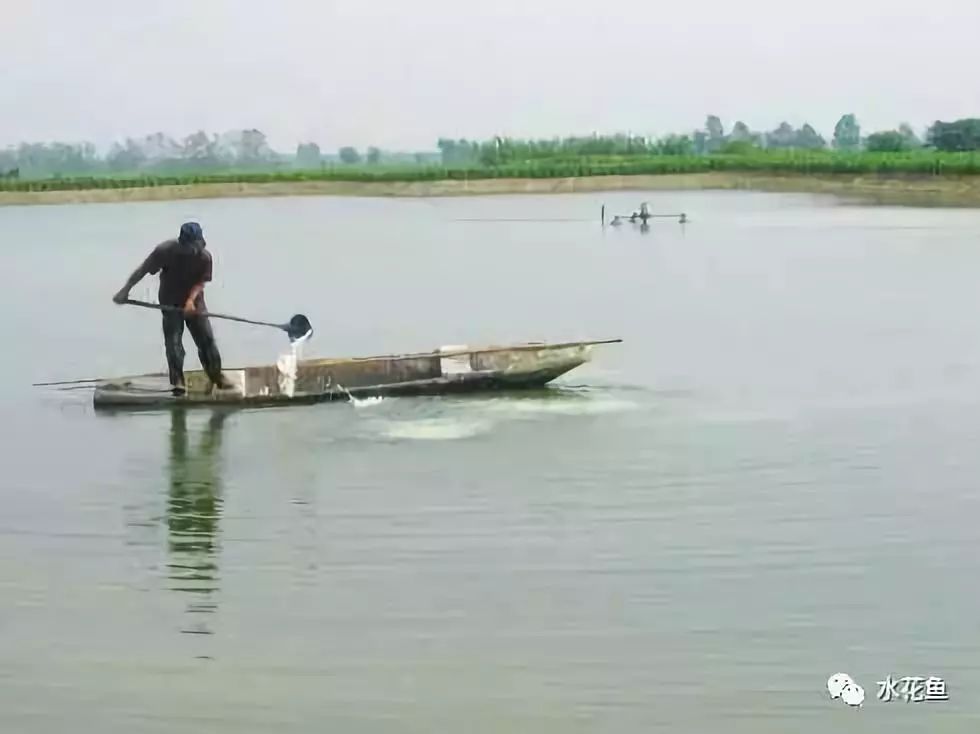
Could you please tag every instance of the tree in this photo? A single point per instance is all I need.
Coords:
(8, 159)
(961, 135)
(458, 152)
(56, 159)
(308, 155)
(783, 136)
(740, 133)
(373, 156)
(200, 149)
(911, 139)
(253, 146)
(159, 147)
(886, 141)
(349, 155)
(675, 145)
(809, 139)
(847, 133)
(716, 133)
(700, 142)
(447, 150)
(128, 157)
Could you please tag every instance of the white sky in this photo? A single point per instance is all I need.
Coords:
(401, 73)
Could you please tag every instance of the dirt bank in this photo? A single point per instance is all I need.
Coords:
(898, 190)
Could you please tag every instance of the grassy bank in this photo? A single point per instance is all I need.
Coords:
(895, 190)
(919, 163)
(929, 178)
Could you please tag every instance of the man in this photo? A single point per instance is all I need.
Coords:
(184, 265)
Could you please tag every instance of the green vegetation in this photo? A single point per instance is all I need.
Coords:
(244, 156)
(917, 163)
(887, 141)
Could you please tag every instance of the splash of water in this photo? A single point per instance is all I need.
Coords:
(358, 402)
(437, 429)
(570, 405)
(366, 402)
(287, 366)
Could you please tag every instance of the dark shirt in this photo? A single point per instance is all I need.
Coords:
(181, 268)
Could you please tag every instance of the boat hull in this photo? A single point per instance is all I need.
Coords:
(448, 371)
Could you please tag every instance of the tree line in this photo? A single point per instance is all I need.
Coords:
(957, 136)
(249, 149)
(161, 154)
(772, 162)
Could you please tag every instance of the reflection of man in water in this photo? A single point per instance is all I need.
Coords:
(194, 510)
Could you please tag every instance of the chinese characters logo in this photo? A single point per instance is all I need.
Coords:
(913, 689)
(910, 688)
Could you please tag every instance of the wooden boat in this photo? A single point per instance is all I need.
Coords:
(446, 370)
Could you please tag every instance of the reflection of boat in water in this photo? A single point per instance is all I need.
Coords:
(447, 370)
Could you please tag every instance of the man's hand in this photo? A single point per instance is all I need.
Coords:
(191, 298)
(121, 296)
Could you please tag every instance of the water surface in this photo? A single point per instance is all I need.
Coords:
(773, 479)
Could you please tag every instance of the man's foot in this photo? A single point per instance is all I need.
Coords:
(179, 391)
(224, 385)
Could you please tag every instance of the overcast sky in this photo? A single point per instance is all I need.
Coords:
(401, 73)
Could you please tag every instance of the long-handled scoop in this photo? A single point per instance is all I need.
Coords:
(298, 327)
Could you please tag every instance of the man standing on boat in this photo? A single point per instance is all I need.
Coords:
(184, 265)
